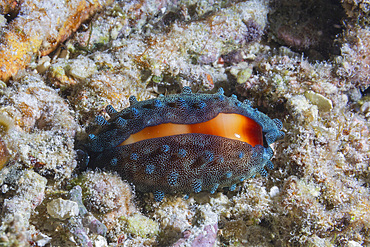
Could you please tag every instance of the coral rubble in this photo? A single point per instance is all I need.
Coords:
(311, 71)
(40, 26)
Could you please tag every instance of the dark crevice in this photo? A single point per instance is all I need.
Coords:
(309, 27)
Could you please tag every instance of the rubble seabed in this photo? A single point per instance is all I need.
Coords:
(317, 194)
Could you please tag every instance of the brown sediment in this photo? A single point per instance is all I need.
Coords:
(4, 154)
(10, 7)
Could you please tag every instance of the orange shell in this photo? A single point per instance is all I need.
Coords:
(232, 126)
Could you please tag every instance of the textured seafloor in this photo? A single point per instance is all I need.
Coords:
(304, 62)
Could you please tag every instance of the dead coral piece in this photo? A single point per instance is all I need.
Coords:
(140, 225)
(356, 8)
(77, 224)
(205, 239)
(15, 228)
(354, 62)
(78, 232)
(89, 221)
(40, 27)
(62, 209)
(105, 88)
(323, 103)
(106, 193)
(44, 128)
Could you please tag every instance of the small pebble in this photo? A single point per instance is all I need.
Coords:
(82, 67)
(274, 191)
(100, 241)
(323, 103)
(62, 209)
(43, 64)
(353, 244)
(41, 239)
(142, 226)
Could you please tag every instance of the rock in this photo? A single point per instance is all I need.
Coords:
(242, 72)
(82, 67)
(323, 103)
(353, 244)
(41, 239)
(100, 241)
(142, 226)
(62, 209)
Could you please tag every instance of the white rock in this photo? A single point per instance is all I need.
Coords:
(2, 21)
(62, 209)
(41, 239)
(274, 191)
(353, 244)
(82, 67)
(100, 241)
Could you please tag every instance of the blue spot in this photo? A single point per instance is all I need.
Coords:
(208, 156)
(220, 90)
(197, 186)
(113, 161)
(269, 165)
(241, 179)
(269, 153)
(280, 135)
(135, 113)
(132, 100)
(158, 195)
(92, 137)
(149, 169)
(101, 121)
(221, 97)
(233, 96)
(165, 148)
(278, 123)
(181, 103)
(257, 151)
(263, 172)
(172, 178)
(247, 102)
(241, 155)
(270, 137)
(181, 153)
(186, 90)
(110, 110)
(134, 156)
(157, 103)
(229, 174)
(120, 122)
(200, 105)
(238, 103)
(214, 188)
(232, 187)
(186, 196)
